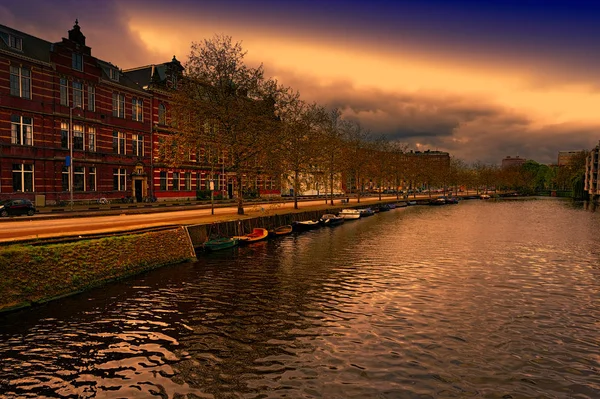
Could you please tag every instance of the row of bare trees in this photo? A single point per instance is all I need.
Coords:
(233, 117)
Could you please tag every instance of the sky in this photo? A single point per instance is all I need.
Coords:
(479, 79)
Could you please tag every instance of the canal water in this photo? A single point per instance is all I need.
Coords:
(484, 299)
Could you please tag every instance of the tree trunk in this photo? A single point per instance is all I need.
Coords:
(331, 188)
(240, 199)
(296, 189)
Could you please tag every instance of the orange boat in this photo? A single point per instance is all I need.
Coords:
(257, 234)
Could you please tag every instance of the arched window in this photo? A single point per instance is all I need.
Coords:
(162, 114)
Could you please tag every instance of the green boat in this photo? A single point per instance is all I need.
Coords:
(220, 243)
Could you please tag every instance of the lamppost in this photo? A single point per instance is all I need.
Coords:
(71, 176)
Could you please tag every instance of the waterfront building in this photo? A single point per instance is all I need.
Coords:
(512, 161)
(73, 125)
(565, 157)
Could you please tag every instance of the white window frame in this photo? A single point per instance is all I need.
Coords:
(77, 94)
(137, 109)
(162, 114)
(20, 81)
(91, 139)
(22, 172)
(119, 105)
(92, 177)
(21, 133)
(77, 61)
(120, 174)
(137, 145)
(178, 179)
(121, 142)
(78, 133)
(91, 105)
(78, 172)
(64, 91)
(187, 181)
(15, 42)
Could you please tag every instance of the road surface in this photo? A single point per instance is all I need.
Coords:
(24, 228)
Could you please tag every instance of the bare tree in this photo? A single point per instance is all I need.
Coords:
(298, 148)
(236, 101)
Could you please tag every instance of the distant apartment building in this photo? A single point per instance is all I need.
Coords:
(512, 161)
(565, 157)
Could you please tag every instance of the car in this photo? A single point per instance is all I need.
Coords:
(16, 206)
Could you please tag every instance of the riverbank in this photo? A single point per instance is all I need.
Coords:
(36, 273)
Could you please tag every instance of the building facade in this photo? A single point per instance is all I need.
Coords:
(73, 125)
(509, 161)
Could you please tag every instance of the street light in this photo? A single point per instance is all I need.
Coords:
(71, 176)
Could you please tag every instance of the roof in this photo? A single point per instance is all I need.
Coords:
(32, 47)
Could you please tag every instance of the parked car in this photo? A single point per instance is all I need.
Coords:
(12, 207)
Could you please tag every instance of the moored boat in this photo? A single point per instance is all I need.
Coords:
(330, 219)
(257, 234)
(484, 196)
(281, 231)
(305, 225)
(364, 212)
(384, 208)
(349, 213)
(216, 244)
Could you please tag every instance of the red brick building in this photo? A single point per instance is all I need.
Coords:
(74, 125)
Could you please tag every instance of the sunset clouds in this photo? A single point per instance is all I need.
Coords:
(481, 81)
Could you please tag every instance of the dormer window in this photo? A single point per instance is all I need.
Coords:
(77, 62)
(15, 42)
(114, 74)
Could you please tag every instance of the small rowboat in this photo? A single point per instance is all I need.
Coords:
(257, 234)
(220, 243)
(331, 220)
(306, 225)
(281, 231)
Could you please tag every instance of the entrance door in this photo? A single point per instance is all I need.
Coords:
(138, 190)
(230, 190)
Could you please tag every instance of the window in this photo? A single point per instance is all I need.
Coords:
(21, 130)
(162, 114)
(77, 62)
(64, 91)
(92, 139)
(175, 181)
(119, 105)
(78, 94)
(137, 109)
(64, 135)
(91, 98)
(119, 143)
(15, 42)
(65, 178)
(78, 178)
(114, 74)
(119, 180)
(22, 177)
(78, 137)
(187, 181)
(163, 181)
(137, 145)
(20, 82)
(92, 178)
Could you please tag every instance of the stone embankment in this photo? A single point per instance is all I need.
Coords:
(38, 272)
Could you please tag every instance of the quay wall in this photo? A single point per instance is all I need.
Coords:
(33, 273)
(36, 273)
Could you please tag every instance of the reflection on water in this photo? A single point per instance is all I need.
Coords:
(481, 299)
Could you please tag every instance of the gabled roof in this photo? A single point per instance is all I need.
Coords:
(156, 74)
(33, 47)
